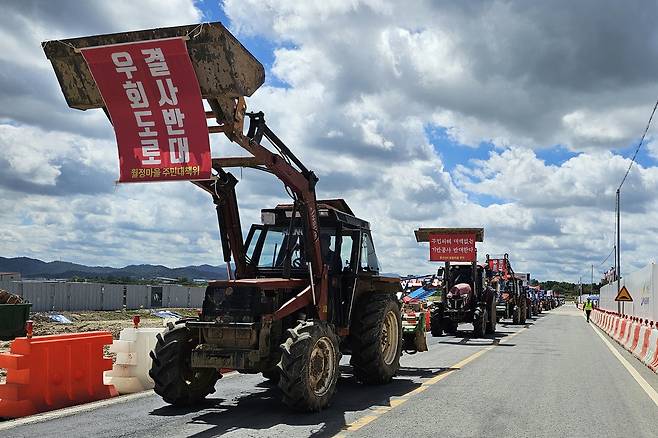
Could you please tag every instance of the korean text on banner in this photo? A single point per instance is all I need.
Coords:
(153, 98)
(499, 266)
(452, 247)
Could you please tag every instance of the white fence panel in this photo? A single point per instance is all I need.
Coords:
(14, 287)
(113, 296)
(643, 287)
(40, 295)
(58, 296)
(138, 296)
(196, 296)
(176, 296)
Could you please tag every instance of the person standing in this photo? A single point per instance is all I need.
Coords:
(588, 308)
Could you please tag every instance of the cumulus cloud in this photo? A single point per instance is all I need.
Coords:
(514, 73)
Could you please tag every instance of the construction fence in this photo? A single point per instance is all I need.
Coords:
(60, 296)
(643, 287)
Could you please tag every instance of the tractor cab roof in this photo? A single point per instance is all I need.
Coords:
(330, 211)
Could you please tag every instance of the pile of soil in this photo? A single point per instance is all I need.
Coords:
(9, 298)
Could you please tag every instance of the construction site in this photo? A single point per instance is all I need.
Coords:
(306, 334)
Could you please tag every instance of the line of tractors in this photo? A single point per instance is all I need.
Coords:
(481, 295)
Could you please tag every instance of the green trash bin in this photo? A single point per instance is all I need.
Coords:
(12, 320)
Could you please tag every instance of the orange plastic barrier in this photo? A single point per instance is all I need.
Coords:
(52, 372)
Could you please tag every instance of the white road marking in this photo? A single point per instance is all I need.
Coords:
(653, 395)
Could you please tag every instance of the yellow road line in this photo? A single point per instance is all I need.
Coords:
(653, 395)
(393, 403)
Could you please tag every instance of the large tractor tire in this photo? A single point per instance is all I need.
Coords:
(309, 366)
(376, 339)
(480, 323)
(492, 320)
(175, 380)
(272, 375)
(450, 326)
(436, 323)
(516, 315)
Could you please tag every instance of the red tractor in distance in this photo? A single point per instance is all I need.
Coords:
(512, 295)
(464, 295)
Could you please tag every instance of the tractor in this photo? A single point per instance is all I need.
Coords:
(463, 295)
(511, 294)
(303, 288)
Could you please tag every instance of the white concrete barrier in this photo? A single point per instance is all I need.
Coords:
(652, 350)
(634, 334)
(630, 334)
(130, 372)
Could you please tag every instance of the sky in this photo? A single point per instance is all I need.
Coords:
(519, 117)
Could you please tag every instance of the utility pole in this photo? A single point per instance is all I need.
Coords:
(591, 290)
(580, 288)
(618, 262)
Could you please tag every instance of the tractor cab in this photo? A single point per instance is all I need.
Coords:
(276, 246)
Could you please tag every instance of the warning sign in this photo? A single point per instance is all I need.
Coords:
(623, 295)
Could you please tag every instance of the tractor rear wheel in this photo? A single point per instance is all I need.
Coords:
(376, 339)
(175, 380)
(309, 366)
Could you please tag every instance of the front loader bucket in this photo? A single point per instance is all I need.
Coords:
(224, 68)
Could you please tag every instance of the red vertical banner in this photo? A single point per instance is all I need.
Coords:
(499, 266)
(452, 247)
(153, 98)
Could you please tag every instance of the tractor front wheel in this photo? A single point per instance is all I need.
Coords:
(309, 366)
(175, 380)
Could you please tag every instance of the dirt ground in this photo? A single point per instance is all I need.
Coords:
(112, 321)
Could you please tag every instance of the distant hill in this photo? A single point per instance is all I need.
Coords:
(34, 268)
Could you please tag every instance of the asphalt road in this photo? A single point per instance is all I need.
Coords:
(552, 377)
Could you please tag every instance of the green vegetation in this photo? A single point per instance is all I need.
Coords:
(566, 289)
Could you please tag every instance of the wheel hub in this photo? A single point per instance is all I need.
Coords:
(390, 337)
(322, 366)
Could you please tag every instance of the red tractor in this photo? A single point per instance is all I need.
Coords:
(304, 286)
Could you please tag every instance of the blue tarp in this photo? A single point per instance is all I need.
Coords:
(167, 314)
(60, 318)
(421, 293)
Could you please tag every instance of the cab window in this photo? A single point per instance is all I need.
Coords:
(368, 257)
